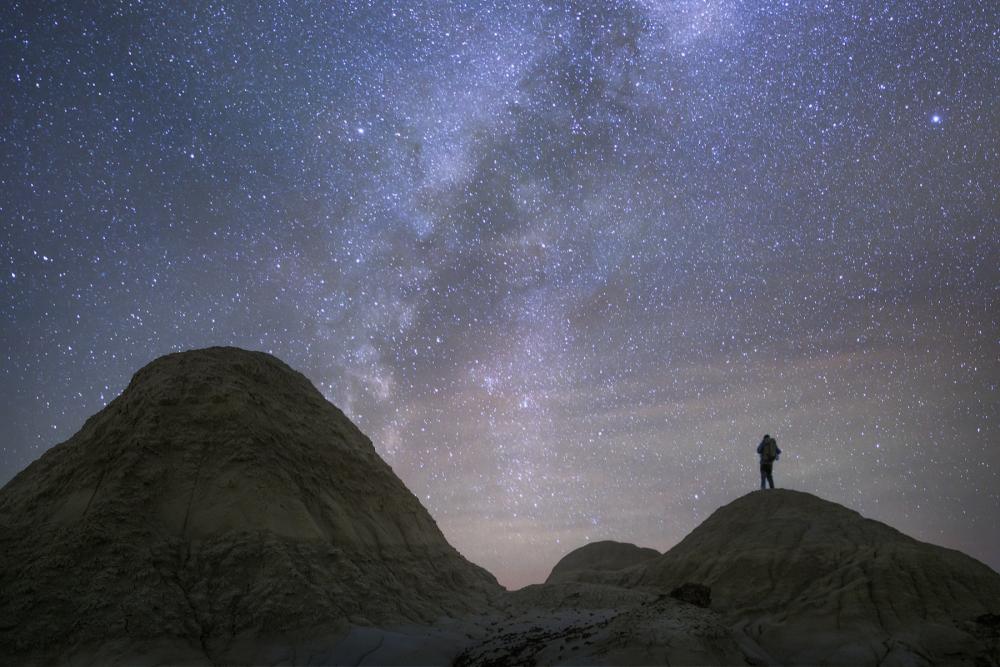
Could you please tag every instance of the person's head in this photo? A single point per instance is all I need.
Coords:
(767, 435)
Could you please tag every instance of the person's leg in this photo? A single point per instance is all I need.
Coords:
(763, 476)
(770, 478)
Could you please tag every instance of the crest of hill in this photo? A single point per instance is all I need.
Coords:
(815, 582)
(599, 557)
(219, 499)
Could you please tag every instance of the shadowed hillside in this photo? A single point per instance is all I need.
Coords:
(219, 501)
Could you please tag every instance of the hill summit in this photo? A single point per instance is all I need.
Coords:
(813, 582)
(219, 500)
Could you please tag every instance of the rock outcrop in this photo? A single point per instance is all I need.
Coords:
(599, 557)
(218, 503)
(814, 582)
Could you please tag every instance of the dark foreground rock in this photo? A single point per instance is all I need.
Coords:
(580, 623)
(697, 594)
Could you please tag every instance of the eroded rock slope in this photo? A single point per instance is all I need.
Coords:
(813, 582)
(218, 503)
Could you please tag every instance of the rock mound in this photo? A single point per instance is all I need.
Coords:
(814, 582)
(599, 557)
(220, 501)
(697, 594)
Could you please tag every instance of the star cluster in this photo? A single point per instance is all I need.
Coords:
(565, 262)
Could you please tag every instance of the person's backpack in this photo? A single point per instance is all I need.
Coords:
(770, 451)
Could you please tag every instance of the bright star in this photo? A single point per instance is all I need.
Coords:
(936, 119)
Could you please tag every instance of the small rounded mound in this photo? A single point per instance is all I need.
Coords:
(599, 556)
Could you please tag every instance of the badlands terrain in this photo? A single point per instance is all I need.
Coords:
(221, 511)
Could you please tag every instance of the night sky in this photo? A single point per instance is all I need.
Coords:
(564, 263)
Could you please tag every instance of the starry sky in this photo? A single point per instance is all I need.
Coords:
(565, 262)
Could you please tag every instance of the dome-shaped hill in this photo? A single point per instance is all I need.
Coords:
(814, 582)
(599, 557)
(220, 499)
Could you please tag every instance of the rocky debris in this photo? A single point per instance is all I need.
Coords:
(218, 505)
(696, 594)
(579, 623)
(599, 557)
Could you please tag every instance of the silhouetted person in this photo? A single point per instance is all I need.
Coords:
(769, 453)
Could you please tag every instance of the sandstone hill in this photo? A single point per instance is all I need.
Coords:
(812, 582)
(599, 556)
(219, 505)
(221, 511)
